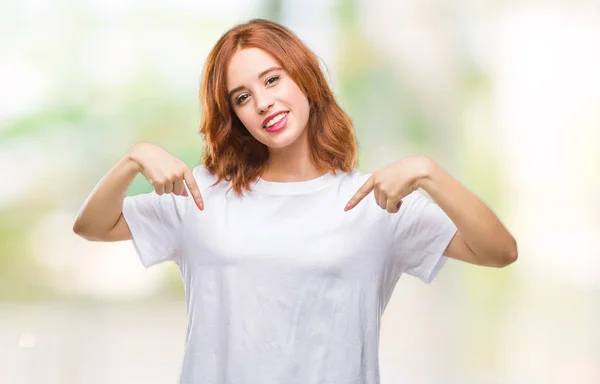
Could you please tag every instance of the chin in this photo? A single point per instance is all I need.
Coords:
(278, 144)
(283, 140)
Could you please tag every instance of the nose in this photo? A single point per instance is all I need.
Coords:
(264, 102)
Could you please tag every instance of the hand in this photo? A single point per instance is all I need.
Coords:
(392, 183)
(165, 172)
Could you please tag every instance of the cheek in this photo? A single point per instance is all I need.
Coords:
(296, 98)
(245, 118)
(251, 123)
(303, 108)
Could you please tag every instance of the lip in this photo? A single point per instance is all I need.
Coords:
(266, 120)
(278, 126)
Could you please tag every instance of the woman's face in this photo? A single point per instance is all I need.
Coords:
(266, 100)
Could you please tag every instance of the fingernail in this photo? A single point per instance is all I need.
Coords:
(347, 207)
(201, 206)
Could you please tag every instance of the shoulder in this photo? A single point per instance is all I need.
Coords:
(355, 177)
(350, 183)
(201, 173)
(207, 182)
(203, 177)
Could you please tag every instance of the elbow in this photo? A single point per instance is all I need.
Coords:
(92, 233)
(77, 228)
(510, 256)
(80, 230)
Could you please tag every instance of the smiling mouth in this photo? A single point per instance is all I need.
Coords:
(275, 119)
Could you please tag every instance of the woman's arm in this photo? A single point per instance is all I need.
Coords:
(100, 216)
(481, 238)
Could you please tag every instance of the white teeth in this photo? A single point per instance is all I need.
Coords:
(276, 119)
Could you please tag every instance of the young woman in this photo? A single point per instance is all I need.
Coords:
(287, 262)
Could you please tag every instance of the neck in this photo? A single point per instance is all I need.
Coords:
(292, 163)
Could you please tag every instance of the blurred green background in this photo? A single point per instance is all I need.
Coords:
(504, 95)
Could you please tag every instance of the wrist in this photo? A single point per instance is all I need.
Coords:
(132, 158)
(427, 172)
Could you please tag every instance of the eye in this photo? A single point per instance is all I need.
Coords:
(241, 98)
(272, 79)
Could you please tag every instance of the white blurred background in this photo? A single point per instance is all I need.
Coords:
(505, 95)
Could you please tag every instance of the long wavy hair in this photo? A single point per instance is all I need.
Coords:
(230, 151)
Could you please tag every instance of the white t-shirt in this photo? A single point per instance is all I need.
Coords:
(283, 286)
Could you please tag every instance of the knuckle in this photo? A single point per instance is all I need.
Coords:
(180, 173)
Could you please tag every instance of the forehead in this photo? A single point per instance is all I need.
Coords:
(246, 64)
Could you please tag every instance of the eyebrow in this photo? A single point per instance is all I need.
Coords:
(258, 77)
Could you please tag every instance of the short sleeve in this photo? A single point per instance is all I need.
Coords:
(155, 223)
(421, 231)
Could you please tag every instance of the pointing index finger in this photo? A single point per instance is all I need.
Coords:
(363, 191)
(194, 190)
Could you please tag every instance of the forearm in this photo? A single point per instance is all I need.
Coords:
(479, 226)
(102, 208)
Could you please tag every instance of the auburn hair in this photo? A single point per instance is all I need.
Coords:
(230, 151)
